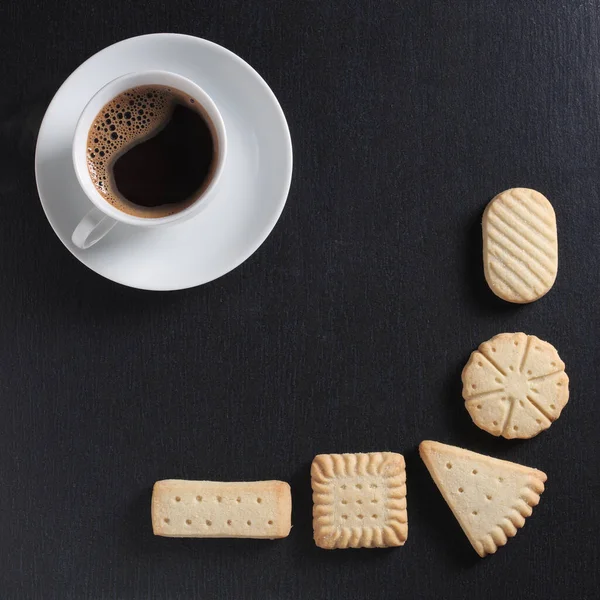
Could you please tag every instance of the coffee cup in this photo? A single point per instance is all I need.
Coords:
(114, 136)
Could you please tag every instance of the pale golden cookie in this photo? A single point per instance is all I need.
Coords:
(215, 509)
(520, 245)
(359, 500)
(490, 498)
(515, 385)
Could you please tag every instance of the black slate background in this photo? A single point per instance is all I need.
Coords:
(346, 331)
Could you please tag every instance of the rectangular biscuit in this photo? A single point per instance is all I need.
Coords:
(359, 500)
(217, 509)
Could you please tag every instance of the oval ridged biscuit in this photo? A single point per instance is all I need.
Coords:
(520, 245)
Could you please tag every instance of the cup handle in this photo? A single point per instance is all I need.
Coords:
(92, 228)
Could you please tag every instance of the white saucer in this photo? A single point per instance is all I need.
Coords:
(256, 179)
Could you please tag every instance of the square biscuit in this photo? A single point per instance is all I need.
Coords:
(215, 509)
(359, 500)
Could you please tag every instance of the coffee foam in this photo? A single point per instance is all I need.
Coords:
(127, 120)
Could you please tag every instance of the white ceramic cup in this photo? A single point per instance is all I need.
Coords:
(101, 219)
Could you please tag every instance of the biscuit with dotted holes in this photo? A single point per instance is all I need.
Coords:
(520, 245)
(359, 500)
(215, 509)
(490, 498)
(515, 385)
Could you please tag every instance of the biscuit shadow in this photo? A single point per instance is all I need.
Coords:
(438, 523)
(212, 550)
(479, 295)
(302, 512)
(137, 525)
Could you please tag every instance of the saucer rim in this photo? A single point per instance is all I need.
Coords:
(285, 176)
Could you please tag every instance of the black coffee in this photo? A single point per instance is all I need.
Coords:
(151, 151)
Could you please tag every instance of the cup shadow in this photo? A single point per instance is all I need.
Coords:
(92, 290)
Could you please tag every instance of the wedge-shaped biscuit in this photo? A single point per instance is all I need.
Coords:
(359, 500)
(215, 509)
(515, 385)
(490, 498)
(520, 245)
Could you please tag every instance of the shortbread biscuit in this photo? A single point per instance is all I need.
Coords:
(490, 498)
(215, 509)
(520, 245)
(515, 385)
(359, 500)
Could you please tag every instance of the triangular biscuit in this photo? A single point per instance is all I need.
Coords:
(490, 498)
